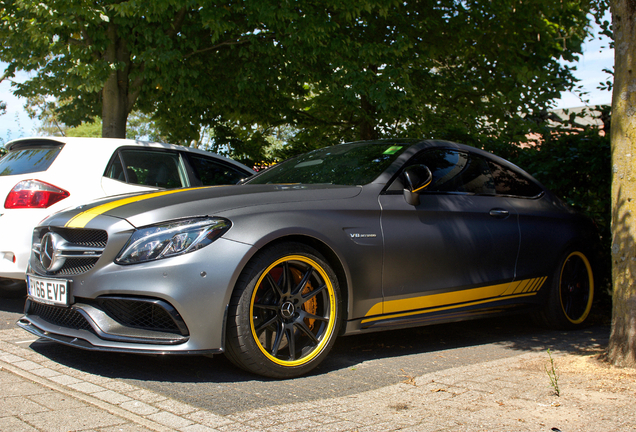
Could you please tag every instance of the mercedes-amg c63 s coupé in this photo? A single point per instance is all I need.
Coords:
(353, 238)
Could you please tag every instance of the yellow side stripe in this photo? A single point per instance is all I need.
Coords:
(400, 315)
(515, 287)
(532, 287)
(82, 219)
(524, 287)
(457, 299)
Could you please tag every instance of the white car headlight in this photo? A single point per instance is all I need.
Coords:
(171, 238)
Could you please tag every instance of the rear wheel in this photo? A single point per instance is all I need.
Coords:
(12, 288)
(571, 294)
(284, 313)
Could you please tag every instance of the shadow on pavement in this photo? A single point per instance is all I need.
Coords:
(356, 364)
(10, 311)
(509, 334)
(12, 305)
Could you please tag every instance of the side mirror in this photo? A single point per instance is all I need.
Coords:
(416, 178)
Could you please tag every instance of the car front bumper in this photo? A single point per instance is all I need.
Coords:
(184, 298)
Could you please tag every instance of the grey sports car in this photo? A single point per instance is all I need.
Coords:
(353, 238)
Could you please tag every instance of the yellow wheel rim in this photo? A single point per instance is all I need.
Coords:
(293, 311)
(576, 288)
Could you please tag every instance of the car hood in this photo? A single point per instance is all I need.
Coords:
(149, 208)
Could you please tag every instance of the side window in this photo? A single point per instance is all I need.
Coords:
(455, 171)
(148, 168)
(209, 171)
(510, 182)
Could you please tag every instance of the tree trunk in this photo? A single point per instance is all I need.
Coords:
(622, 344)
(115, 93)
(367, 125)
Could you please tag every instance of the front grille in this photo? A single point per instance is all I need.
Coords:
(82, 237)
(76, 237)
(147, 314)
(75, 266)
(63, 317)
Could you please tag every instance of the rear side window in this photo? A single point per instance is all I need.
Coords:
(28, 160)
(211, 172)
(509, 182)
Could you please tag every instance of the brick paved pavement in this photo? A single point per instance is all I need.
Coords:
(512, 394)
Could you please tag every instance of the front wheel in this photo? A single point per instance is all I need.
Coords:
(284, 313)
(571, 293)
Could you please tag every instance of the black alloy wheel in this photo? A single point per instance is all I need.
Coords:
(571, 293)
(285, 312)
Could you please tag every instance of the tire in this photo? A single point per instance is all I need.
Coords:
(285, 312)
(12, 288)
(571, 293)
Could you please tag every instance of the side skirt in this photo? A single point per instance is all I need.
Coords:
(424, 317)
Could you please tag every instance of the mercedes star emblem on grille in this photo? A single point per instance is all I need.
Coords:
(50, 252)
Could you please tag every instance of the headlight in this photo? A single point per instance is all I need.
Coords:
(171, 238)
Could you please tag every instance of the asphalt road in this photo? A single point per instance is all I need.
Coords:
(356, 364)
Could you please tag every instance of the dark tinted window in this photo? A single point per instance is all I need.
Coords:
(510, 182)
(149, 168)
(209, 172)
(28, 160)
(455, 171)
(345, 164)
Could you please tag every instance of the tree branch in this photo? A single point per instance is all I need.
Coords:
(217, 47)
(324, 122)
(177, 23)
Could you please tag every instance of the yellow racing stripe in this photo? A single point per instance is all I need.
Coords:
(453, 300)
(419, 312)
(82, 219)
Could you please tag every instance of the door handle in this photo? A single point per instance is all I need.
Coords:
(499, 213)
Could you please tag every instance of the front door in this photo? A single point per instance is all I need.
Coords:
(457, 248)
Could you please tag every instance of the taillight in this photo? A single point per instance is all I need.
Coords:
(34, 194)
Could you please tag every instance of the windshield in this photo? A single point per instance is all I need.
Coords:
(28, 160)
(345, 164)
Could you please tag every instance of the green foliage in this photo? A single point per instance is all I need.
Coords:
(75, 49)
(553, 375)
(87, 129)
(39, 107)
(436, 68)
(252, 145)
(141, 126)
(329, 70)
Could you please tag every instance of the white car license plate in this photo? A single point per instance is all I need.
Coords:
(51, 291)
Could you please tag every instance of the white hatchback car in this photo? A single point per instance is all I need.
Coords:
(41, 176)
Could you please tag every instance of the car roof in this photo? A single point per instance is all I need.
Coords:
(109, 145)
